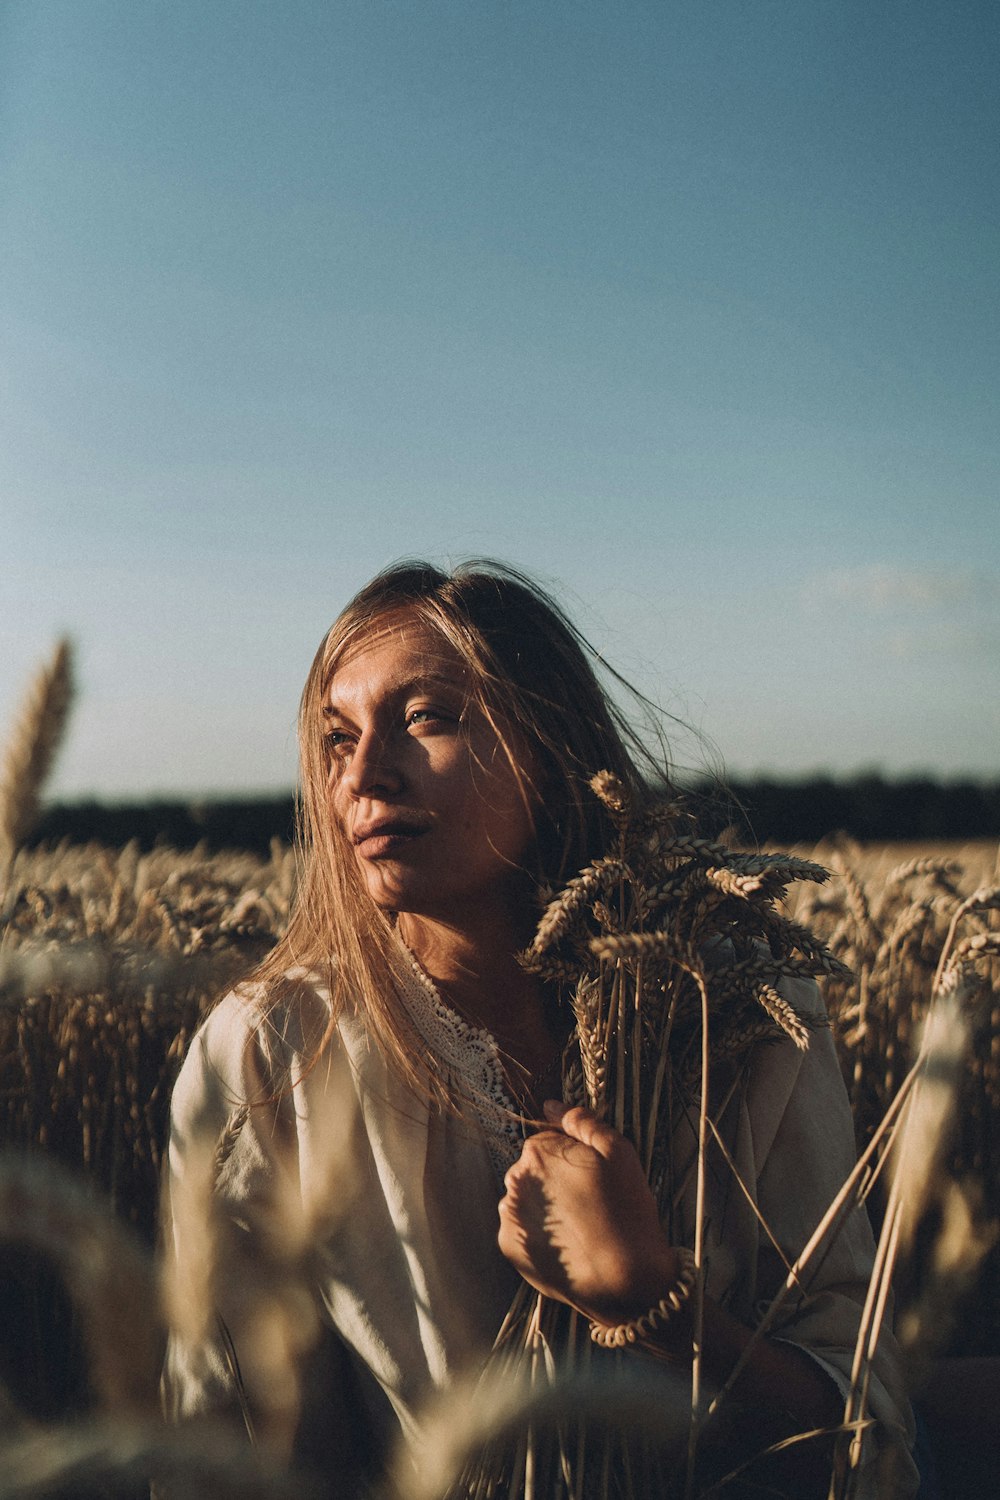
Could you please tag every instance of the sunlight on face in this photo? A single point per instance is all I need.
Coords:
(422, 785)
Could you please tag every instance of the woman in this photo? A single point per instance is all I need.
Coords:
(449, 728)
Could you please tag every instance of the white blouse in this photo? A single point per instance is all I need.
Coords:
(398, 1202)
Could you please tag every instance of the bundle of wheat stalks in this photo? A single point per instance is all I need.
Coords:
(671, 951)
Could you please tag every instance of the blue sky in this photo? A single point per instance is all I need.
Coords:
(691, 309)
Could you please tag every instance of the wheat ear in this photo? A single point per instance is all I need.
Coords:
(32, 748)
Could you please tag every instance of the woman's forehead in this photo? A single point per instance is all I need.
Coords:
(399, 647)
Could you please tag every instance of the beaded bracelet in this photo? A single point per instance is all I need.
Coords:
(668, 1305)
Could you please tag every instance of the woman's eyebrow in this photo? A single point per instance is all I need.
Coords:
(423, 683)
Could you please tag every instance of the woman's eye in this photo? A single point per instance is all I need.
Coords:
(429, 716)
(338, 741)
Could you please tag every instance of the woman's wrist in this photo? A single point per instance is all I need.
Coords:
(667, 1308)
(648, 1297)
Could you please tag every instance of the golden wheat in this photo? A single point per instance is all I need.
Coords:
(110, 959)
(31, 749)
(677, 947)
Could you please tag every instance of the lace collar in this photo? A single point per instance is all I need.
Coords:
(469, 1055)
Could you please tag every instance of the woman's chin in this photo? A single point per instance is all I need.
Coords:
(394, 895)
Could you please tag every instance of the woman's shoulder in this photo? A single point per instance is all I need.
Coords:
(254, 1041)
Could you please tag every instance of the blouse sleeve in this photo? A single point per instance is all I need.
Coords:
(216, 1214)
(803, 1138)
(236, 1181)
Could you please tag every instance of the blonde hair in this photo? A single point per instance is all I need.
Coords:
(532, 678)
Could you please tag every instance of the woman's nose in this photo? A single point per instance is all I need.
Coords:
(373, 767)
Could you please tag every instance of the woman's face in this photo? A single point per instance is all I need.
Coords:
(421, 785)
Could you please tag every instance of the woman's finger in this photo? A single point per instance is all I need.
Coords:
(582, 1125)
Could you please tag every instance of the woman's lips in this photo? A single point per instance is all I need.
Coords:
(385, 838)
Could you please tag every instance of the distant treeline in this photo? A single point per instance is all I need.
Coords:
(869, 808)
(249, 823)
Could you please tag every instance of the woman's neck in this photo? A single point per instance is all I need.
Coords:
(479, 976)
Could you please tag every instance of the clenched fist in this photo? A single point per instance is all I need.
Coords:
(579, 1221)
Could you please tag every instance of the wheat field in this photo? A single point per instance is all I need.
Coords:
(109, 959)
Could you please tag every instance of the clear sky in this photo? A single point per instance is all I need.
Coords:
(688, 306)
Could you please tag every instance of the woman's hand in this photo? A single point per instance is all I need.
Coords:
(579, 1222)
